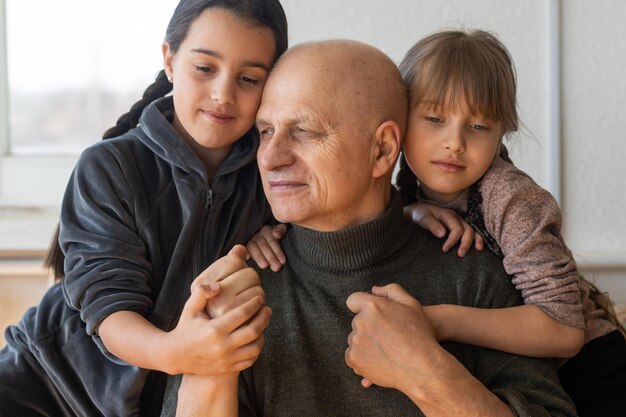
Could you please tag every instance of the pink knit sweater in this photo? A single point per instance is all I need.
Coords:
(525, 221)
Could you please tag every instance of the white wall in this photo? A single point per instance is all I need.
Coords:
(594, 133)
(592, 81)
(593, 59)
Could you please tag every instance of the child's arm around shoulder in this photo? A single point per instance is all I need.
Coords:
(219, 331)
(525, 221)
(524, 330)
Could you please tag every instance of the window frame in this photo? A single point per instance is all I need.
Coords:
(26, 181)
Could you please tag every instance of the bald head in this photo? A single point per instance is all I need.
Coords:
(359, 82)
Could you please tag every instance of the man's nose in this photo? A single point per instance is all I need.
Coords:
(275, 152)
(223, 89)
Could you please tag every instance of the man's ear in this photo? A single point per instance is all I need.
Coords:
(168, 60)
(388, 142)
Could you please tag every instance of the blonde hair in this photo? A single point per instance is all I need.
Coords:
(447, 67)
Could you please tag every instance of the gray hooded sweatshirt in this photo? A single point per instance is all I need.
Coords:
(140, 220)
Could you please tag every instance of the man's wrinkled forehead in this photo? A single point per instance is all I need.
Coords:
(290, 116)
(299, 95)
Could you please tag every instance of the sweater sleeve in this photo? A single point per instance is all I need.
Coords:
(106, 269)
(525, 221)
(528, 385)
(246, 396)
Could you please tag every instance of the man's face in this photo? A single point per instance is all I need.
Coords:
(315, 161)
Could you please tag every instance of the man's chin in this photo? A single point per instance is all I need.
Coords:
(285, 218)
(287, 212)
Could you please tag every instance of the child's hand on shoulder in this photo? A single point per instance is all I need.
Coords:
(264, 247)
(441, 221)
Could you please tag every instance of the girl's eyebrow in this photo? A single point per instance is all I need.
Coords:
(429, 104)
(219, 56)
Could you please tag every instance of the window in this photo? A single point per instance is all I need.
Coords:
(68, 70)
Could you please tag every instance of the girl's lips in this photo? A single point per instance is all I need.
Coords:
(219, 118)
(449, 165)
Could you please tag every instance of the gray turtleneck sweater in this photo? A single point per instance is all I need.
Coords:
(302, 372)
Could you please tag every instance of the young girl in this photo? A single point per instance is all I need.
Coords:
(173, 188)
(462, 103)
(462, 89)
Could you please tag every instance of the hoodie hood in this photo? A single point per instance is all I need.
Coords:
(158, 134)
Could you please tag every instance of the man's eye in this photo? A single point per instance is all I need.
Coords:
(266, 131)
(301, 135)
(304, 133)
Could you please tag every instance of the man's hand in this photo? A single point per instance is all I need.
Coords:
(391, 341)
(202, 396)
(393, 345)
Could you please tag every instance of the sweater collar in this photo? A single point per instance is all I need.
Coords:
(355, 248)
(161, 137)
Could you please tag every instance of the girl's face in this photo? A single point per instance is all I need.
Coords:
(218, 74)
(448, 148)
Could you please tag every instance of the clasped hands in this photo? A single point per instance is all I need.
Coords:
(391, 342)
(220, 331)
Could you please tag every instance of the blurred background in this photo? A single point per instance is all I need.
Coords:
(69, 68)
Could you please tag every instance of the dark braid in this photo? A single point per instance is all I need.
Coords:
(55, 258)
(406, 182)
(159, 88)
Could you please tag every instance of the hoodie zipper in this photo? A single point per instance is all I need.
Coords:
(198, 233)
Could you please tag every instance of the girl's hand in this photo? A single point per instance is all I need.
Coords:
(201, 345)
(264, 247)
(439, 220)
(238, 282)
(221, 327)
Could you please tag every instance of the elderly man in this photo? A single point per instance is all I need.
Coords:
(346, 308)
